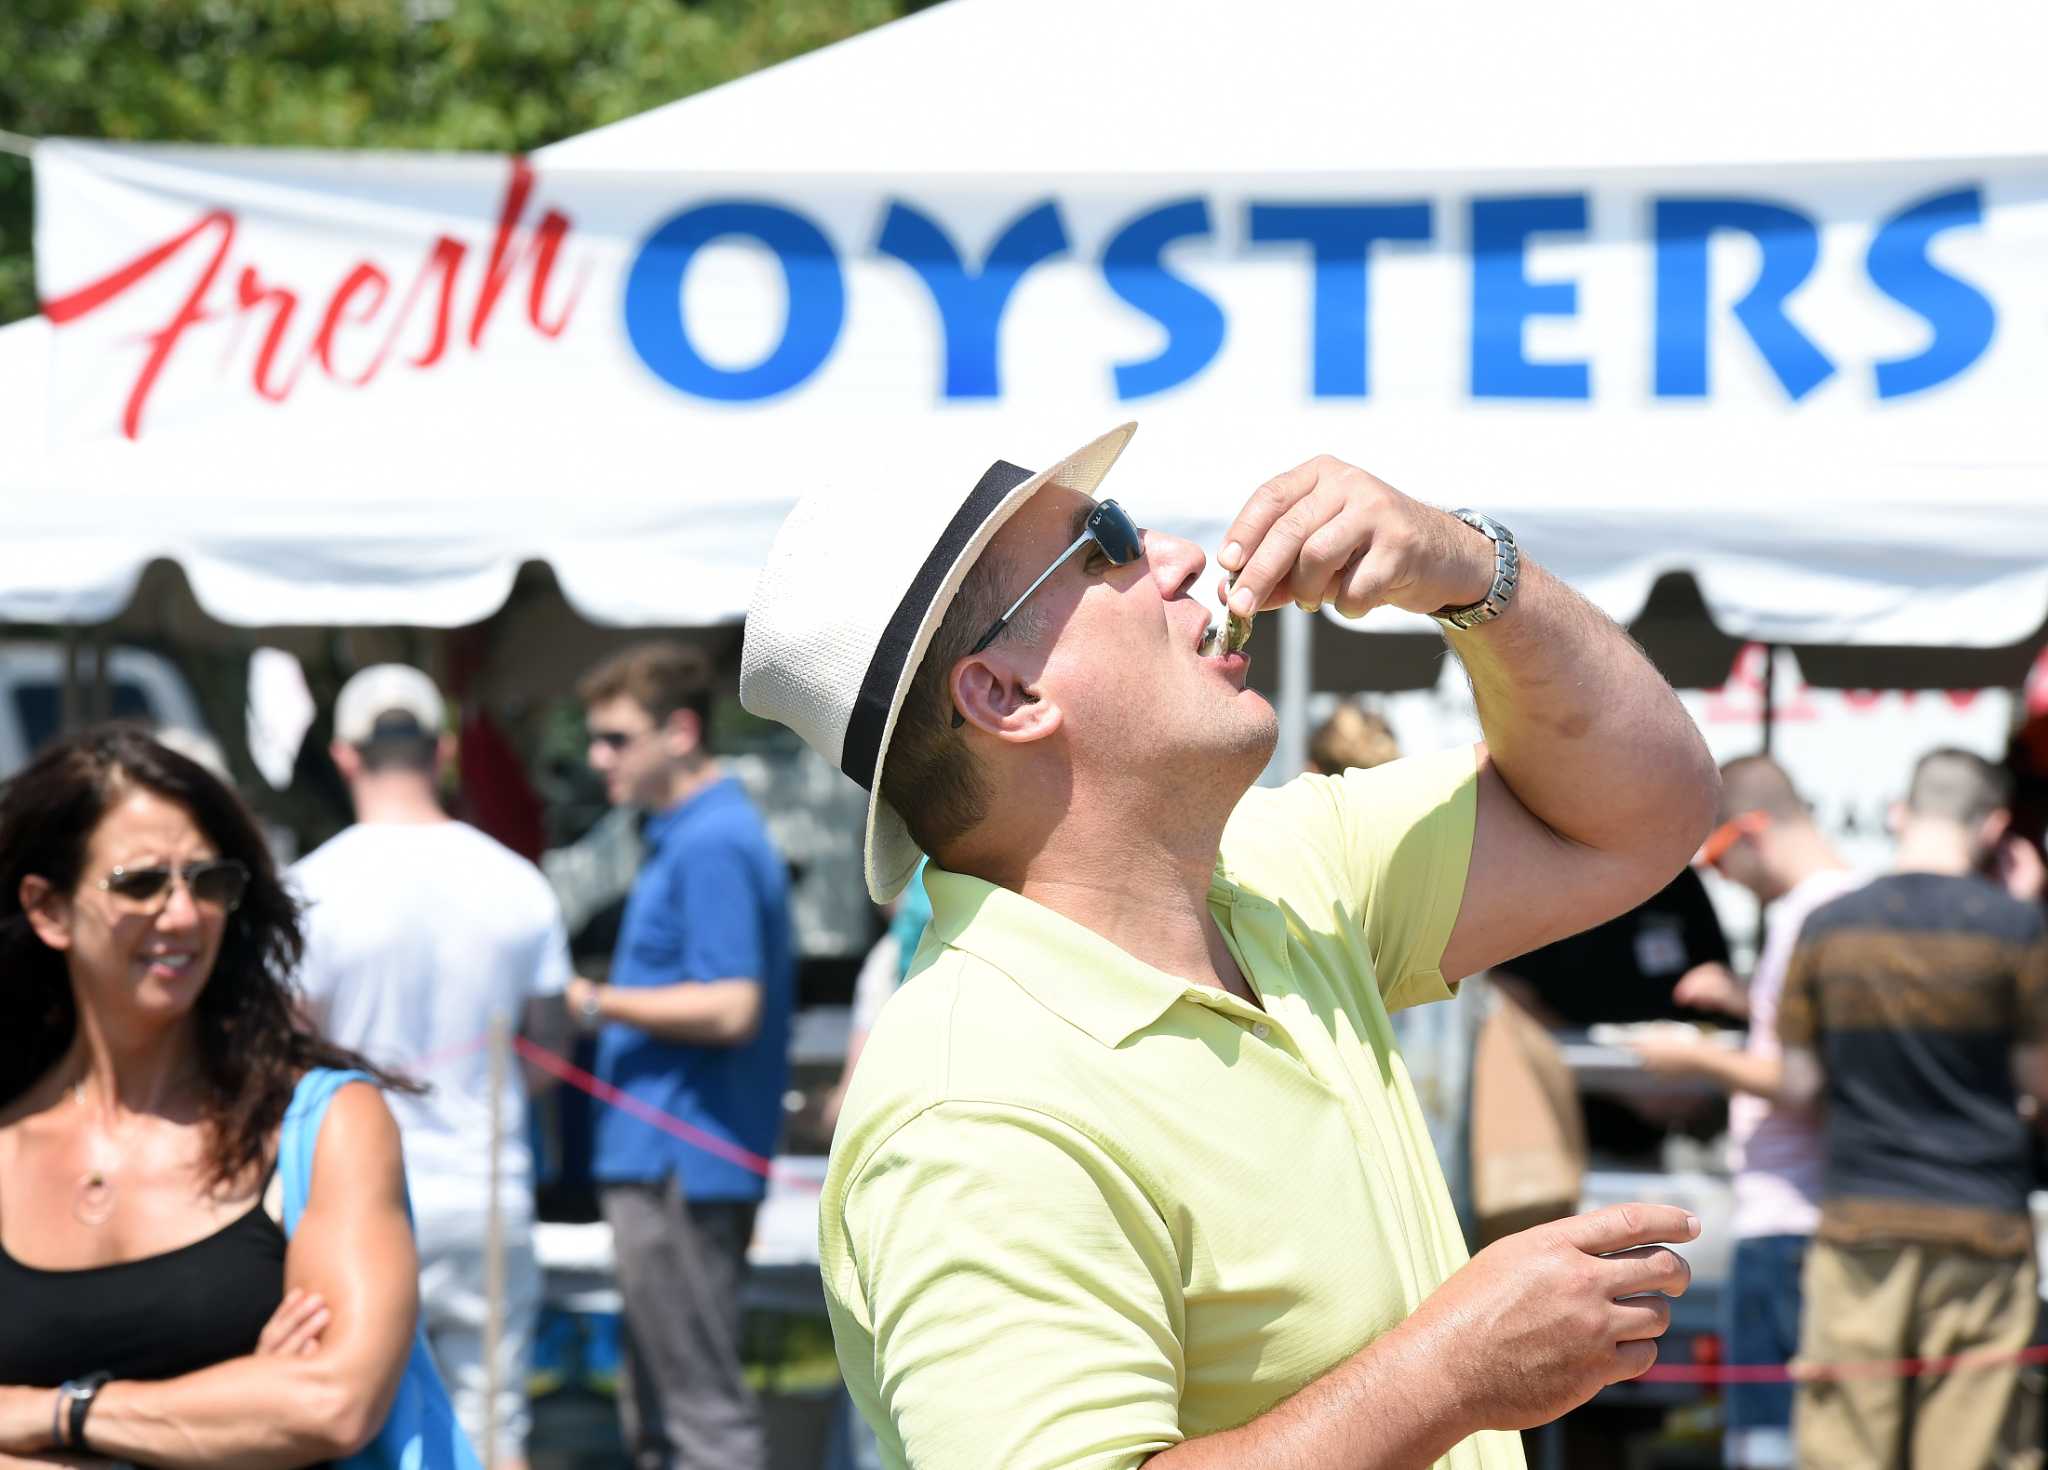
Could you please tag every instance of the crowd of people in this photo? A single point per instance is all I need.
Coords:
(261, 1138)
(262, 1130)
(1885, 1116)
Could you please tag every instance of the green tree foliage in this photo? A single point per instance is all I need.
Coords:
(459, 74)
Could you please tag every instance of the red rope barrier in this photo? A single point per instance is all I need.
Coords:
(1817, 1372)
(647, 1113)
(446, 1054)
(1702, 1373)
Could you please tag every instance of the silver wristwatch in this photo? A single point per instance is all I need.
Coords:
(1507, 568)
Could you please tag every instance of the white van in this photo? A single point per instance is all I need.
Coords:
(141, 686)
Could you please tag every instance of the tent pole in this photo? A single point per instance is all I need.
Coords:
(1297, 644)
(1770, 711)
(101, 706)
(1767, 723)
(71, 694)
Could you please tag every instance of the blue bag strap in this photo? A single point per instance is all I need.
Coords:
(421, 1431)
(300, 1135)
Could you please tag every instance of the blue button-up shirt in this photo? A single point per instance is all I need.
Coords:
(711, 902)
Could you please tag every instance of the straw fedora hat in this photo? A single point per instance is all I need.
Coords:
(853, 590)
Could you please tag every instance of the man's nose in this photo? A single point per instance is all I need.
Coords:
(1175, 562)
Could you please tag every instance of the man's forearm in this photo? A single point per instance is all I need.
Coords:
(1583, 729)
(703, 1013)
(547, 1025)
(1386, 1407)
(1741, 1071)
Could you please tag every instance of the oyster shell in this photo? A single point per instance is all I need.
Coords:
(1235, 633)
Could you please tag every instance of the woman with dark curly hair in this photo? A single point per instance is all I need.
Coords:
(155, 1310)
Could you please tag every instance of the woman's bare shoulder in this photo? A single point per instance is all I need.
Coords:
(358, 1136)
(360, 1105)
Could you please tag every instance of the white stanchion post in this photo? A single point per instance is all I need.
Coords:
(1297, 676)
(500, 1044)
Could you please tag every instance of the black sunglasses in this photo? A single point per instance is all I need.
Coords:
(217, 883)
(1110, 529)
(615, 740)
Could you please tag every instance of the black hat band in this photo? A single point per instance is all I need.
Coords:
(862, 746)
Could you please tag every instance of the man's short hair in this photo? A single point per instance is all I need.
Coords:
(659, 677)
(397, 742)
(1756, 783)
(1353, 738)
(929, 775)
(1958, 786)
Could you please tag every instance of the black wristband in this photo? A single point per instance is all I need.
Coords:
(83, 1391)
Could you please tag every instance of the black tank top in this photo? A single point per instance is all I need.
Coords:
(158, 1317)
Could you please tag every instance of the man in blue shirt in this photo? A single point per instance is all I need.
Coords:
(694, 1023)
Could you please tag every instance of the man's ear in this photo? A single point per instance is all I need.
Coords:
(994, 697)
(683, 733)
(1991, 831)
(446, 750)
(49, 912)
(347, 759)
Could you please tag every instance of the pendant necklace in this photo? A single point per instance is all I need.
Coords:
(92, 1202)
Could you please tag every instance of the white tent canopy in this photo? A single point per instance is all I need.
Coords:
(1838, 517)
(1308, 86)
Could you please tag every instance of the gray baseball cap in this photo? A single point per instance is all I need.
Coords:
(388, 700)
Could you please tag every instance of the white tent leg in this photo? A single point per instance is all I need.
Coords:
(1297, 643)
(500, 1043)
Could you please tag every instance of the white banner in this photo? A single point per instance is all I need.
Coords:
(1840, 368)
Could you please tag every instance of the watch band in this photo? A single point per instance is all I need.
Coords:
(79, 1394)
(1507, 570)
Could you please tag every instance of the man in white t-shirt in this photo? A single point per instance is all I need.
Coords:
(1768, 843)
(420, 933)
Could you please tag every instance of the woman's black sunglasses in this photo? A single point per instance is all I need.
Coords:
(217, 883)
(1112, 531)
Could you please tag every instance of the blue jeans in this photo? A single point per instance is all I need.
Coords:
(1762, 1326)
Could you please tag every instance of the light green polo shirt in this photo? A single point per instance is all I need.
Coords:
(1079, 1210)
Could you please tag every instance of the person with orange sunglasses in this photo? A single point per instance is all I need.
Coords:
(1766, 841)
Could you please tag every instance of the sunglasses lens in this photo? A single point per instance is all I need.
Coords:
(1725, 836)
(139, 885)
(218, 885)
(1115, 532)
(215, 884)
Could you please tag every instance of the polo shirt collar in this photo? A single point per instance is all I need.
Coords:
(1070, 970)
(659, 824)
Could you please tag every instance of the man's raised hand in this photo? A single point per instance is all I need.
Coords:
(1328, 532)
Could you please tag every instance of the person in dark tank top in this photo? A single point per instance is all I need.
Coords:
(149, 1046)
